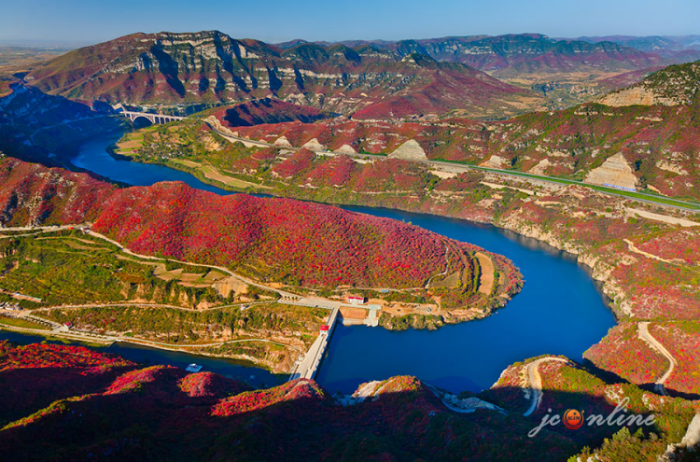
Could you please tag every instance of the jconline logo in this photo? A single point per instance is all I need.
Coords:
(574, 419)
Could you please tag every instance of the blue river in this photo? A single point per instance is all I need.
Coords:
(561, 309)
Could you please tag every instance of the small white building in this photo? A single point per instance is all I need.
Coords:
(356, 299)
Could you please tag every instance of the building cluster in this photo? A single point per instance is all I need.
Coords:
(10, 306)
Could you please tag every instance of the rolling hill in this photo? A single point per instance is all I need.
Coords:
(264, 238)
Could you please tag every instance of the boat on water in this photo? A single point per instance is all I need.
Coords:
(193, 368)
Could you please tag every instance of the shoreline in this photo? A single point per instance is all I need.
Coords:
(554, 244)
(97, 343)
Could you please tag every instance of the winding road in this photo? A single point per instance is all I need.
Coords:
(535, 381)
(655, 345)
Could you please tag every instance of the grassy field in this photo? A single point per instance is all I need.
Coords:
(71, 268)
(212, 173)
(132, 141)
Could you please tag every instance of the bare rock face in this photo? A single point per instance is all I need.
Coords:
(283, 141)
(540, 168)
(689, 443)
(410, 150)
(615, 172)
(346, 149)
(637, 96)
(494, 162)
(314, 145)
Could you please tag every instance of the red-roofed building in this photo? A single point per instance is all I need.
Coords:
(356, 299)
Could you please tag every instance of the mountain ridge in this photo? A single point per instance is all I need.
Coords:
(212, 68)
(505, 54)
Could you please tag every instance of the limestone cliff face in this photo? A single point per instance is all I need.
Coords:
(637, 96)
(672, 86)
(615, 171)
(166, 69)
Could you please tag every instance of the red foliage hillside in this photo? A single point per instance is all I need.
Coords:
(32, 194)
(267, 111)
(270, 239)
(33, 376)
(279, 236)
(298, 162)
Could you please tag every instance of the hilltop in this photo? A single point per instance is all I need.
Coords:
(208, 68)
(510, 55)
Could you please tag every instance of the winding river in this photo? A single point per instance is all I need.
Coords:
(560, 310)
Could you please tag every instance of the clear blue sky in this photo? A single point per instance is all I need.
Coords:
(88, 21)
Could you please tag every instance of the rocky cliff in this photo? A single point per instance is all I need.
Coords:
(211, 67)
(673, 86)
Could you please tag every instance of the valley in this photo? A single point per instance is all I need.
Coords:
(566, 216)
(505, 228)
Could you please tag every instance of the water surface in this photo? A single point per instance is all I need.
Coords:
(253, 375)
(560, 310)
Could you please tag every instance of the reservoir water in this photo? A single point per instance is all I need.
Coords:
(140, 354)
(560, 310)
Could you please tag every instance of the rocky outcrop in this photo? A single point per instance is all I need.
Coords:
(689, 443)
(671, 86)
(314, 145)
(282, 141)
(410, 150)
(541, 167)
(494, 162)
(615, 172)
(637, 96)
(345, 149)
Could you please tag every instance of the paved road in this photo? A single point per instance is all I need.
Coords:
(136, 304)
(522, 176)
(655, 345)
(536, 382)
(39, 228)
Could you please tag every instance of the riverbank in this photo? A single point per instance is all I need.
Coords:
(593, 266)
(241, 370)
(640, 256)
(578, 220)
(93, 340)
(546, 317)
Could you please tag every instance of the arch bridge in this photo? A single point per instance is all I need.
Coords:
(153, 118)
